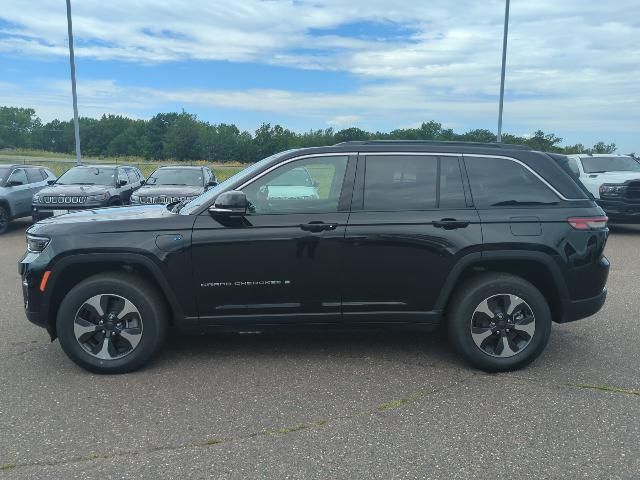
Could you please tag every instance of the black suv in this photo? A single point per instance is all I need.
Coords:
(85, 187)
(174, 184)
(494, 241)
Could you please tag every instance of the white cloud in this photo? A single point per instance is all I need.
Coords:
(573, 66)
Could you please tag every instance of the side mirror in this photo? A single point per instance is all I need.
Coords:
(50, 182)
(142, 182)
(14, 183)
(230, 204)
(212, 183)
(122, 183)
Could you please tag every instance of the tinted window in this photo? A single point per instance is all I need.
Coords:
(573, 165)
(497, 182)
(19, 175)
(122, 176)
(309, 185)
(451, 190)
(609, 164)
(400, 182)
(88, 176)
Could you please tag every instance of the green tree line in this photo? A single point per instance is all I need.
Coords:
(182, 136)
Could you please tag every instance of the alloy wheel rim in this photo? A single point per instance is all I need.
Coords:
(503, 325)
(108, 326)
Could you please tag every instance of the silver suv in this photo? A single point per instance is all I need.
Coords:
(18, 183)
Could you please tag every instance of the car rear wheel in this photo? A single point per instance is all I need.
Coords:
(4, 219)
(112, 323)
(499, 322)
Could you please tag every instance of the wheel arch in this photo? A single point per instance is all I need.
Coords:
(71, 270)
(536, 267)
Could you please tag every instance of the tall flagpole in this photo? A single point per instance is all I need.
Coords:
(504, 63)
(72, 62)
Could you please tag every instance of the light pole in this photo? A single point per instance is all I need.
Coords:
(72, 62)
(504, 63)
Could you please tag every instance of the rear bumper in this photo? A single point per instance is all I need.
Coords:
(579, 309)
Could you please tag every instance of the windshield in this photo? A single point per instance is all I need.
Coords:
(176, 176)
(88, 176)
(610, 164)
(239, 177)
(4, 172)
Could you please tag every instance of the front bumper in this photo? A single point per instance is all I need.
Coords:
(31, 268)
(621, 210)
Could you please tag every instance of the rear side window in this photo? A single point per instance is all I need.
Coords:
(394, 182)
(35, 175)
(412, 182)
(497, 182)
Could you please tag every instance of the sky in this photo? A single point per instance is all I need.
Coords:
(573, 67)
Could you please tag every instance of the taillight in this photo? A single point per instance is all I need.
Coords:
(588, 223)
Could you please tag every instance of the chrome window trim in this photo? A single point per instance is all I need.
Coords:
(549, 186)
(301, 157)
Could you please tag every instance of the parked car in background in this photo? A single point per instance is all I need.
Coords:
(18, 184)
(614, 180)
(87, 186)
(174, 184)
(495, 241)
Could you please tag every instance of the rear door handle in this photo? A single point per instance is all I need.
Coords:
(450, 223)
(317, 226)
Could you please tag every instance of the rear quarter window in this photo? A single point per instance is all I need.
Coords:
(497, 182)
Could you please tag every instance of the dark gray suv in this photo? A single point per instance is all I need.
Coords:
(87, 186)
(174, 184)
(18, 184)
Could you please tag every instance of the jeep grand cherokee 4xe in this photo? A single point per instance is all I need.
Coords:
(496, 242)
(87, 187)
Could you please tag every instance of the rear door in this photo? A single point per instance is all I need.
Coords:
(411, 221)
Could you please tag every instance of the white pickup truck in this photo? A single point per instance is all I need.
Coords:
(614, 180)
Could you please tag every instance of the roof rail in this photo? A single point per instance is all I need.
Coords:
(435, 142)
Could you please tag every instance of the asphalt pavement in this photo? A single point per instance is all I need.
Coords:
(327, 405)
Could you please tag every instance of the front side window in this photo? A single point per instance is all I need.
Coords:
(133, 178)
(308, 185)
(88, 176)
(497, 182)
(19, 175)
(400, 182)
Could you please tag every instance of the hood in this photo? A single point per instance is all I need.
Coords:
(613, 177)
(73, 190)
(169, 190)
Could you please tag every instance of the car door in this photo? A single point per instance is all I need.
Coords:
(20, 192)
(411, 221)
(282, 262)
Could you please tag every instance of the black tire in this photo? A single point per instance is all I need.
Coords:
(115, 202)
(151, 311)
(4, 220)
(494, 287)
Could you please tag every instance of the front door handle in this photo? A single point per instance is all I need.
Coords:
(317, 226)
(450, 223)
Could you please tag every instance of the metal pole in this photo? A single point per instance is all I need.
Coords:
(72, 62)
(504, 63)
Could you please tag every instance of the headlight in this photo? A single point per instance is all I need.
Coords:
(36, 198)
(37, 244)
(135, 199)
(101, 197)
(611, 190)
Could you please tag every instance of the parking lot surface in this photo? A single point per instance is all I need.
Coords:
(327, 405)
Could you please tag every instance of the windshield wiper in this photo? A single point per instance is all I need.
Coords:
(599, 171)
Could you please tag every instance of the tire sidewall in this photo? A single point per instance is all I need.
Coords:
(460, 323)
(152, 325)
(5, 214)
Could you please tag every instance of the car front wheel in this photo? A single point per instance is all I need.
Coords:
(499, 322)
(112, 323)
